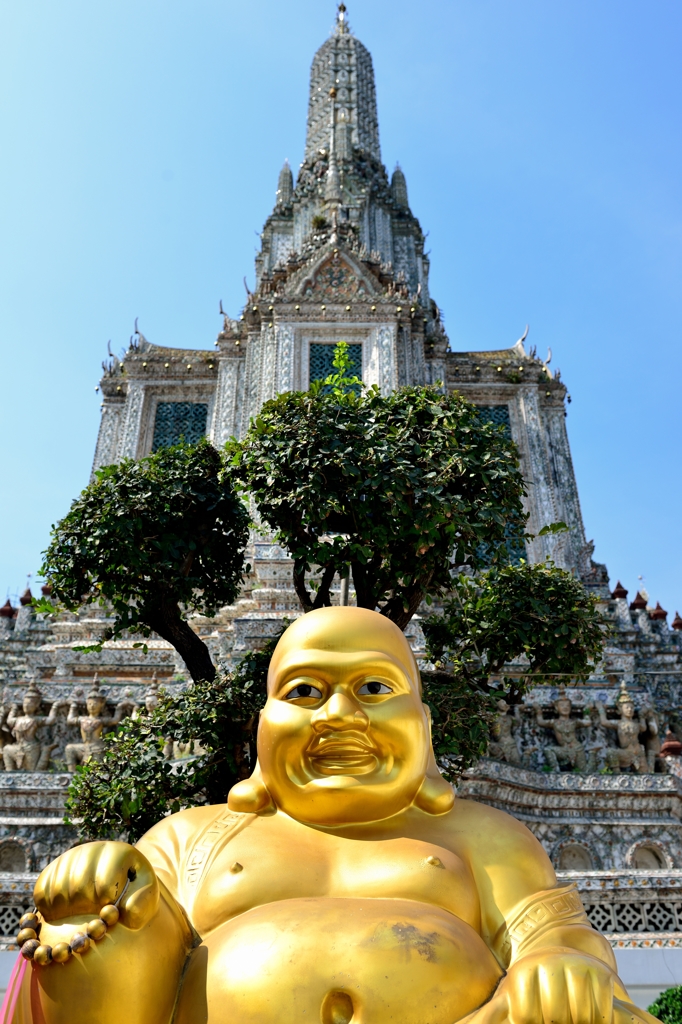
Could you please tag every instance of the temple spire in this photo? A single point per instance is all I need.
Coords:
(344, 63)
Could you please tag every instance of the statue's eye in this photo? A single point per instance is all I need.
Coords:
(374, 688)
(304, 690)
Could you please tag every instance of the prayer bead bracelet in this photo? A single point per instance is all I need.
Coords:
(30, 924)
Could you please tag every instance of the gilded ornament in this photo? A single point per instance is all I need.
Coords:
(61, 952)
(42, 955)
(96, 929)
(80, 943)
(109, 915)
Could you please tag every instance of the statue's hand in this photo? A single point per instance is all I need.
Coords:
(557, 986)
(85, 879)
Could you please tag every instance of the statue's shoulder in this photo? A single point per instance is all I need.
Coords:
(501, 848)
(179, 833)
(471, 815)
(183, 844)
(494, 838)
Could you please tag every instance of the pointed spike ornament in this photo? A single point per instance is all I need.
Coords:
(341, 20)
(332, 192)
(285, 185)
(399, 187)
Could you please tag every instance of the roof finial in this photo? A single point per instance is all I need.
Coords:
(341, 21)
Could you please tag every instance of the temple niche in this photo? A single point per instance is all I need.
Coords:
(596, 777)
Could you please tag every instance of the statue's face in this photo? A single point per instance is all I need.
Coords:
(31, 705)
(627, 709)
(151, 702)
(95, 706)
(344, 736)
(563, 708)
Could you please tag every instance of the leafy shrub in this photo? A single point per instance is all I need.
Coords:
(668, 1006)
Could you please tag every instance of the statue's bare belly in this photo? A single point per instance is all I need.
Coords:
(327, 961)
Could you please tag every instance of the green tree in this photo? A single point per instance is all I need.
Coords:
(393, 489)
(153, 540)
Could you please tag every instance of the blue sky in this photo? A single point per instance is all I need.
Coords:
(542, 147)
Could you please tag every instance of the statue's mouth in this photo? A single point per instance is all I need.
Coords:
(342, 755)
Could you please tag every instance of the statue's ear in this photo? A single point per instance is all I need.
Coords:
(251, 796)
(435, 795)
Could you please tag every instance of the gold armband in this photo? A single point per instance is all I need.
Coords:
(532, 919)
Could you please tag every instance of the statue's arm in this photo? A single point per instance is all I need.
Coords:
(603, 720)
(540, 719)
(148, 947)
(54, 711)
(539, 932)
(517, 886)
(73, 718)
(125, 707)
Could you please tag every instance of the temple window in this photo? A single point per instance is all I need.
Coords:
(179, 421)
(575, 857)
(499, 415)
(322, 356)
(648, 858)
(12, 858)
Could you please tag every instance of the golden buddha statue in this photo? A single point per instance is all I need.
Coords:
(342, 882)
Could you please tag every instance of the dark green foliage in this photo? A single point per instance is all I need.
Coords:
(149, 537)
(135, 784)
(668, 1006)
(461, 717)
(393, 488)
(537, 611)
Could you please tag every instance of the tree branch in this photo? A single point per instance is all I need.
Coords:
(166, 620)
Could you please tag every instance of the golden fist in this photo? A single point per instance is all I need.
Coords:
(89, 877)
(559, 986)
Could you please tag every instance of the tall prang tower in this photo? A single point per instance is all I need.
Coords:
(342, 258)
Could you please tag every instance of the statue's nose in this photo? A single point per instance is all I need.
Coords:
(339, 712)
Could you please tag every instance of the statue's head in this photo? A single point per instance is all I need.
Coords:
(32, 700)
(563, 704)
(344, 736)
(96, 700)
(151, 697)
(626, 705)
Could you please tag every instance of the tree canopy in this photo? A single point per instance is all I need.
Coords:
(152, 539)
(394, 489)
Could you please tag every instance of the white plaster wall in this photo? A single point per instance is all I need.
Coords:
(648, 972)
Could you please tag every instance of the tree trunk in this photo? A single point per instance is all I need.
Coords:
(302, 592)
(395, 608)
(364, 592)
(323, 596)
(167, 621)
